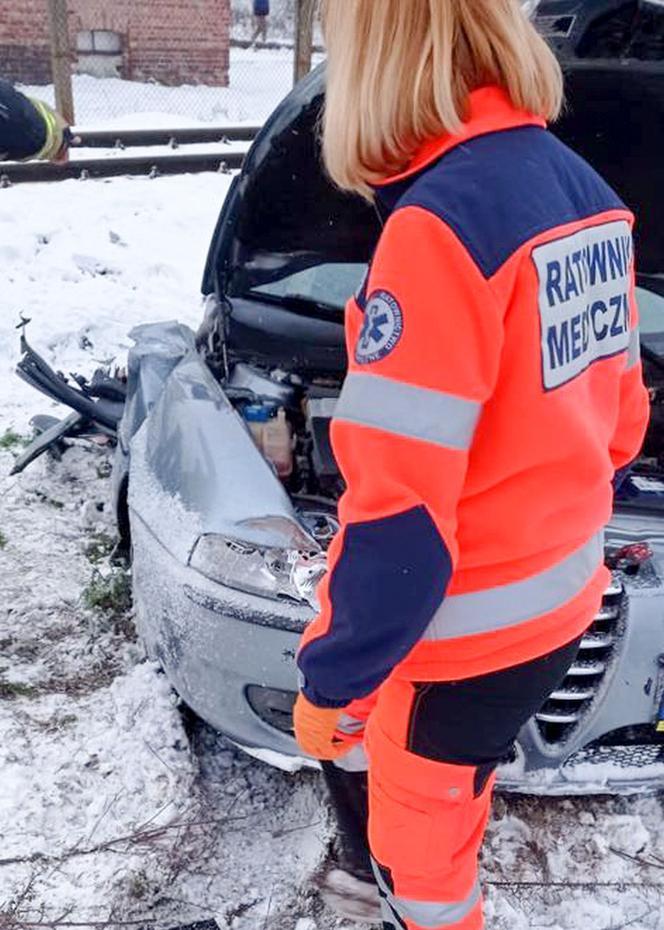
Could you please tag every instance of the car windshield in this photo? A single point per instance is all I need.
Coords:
(330, 286)
(327, 285)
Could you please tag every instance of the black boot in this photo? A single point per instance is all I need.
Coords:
(348, 886)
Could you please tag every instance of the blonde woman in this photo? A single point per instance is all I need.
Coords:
(494, 388)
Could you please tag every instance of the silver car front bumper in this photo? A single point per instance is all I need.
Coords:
(219, 647)
(215, 643)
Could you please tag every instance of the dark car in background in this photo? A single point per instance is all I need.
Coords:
(604, 29)
(225, 482)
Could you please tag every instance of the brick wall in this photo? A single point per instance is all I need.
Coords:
(24, 45)
(170, 41)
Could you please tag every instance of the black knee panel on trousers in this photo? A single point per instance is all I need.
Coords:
(476, 720)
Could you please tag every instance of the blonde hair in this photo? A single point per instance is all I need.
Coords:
(399, 72)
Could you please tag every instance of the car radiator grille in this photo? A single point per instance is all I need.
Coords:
(621, 757)
(562, 713)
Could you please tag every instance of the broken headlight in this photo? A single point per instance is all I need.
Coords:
(280, 574)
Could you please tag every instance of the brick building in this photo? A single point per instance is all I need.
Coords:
(170, 41)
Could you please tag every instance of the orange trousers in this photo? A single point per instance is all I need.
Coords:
(432, 750)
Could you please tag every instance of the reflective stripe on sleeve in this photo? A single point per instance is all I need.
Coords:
(409, 411)
(634, 349)
(427, 914)
(496, 608)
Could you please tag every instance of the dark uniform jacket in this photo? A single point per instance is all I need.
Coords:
(22, 129)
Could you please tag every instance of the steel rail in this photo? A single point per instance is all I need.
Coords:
(118, 166)
(132, 138)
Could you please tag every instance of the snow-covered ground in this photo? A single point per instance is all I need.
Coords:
(106, 810)
(111, 810)
(258, 81)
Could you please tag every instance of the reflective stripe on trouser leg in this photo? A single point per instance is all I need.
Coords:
(426, 826)
(427, 914)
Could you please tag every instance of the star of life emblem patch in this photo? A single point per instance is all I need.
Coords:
(382, 329)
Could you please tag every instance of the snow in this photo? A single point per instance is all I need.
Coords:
(222, 149)
(114, 806)
(87, 260)
(259, 80)
(277, 760)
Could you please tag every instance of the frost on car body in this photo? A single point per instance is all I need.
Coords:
(228, 534)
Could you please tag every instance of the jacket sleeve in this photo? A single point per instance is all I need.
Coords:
(22, 129)
(424, 358)
(634, 407)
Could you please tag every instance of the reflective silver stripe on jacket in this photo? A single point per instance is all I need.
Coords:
(510, 604)
(406, 410)
(634, 348)
(428, 914)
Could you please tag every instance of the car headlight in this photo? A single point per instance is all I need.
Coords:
(280, 574)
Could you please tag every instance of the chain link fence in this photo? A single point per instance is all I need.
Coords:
(154, 63)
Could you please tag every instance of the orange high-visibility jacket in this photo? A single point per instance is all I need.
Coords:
(494, 388)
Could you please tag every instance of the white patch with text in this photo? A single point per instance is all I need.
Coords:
(584, 299)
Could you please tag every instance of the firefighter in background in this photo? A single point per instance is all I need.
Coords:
(261, 13)
(30, 128)
(494, 389)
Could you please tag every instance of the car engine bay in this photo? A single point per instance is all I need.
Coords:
(289, 416)
(289, 420)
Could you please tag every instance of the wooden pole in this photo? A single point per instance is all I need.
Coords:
(61, 58)
(304, 37)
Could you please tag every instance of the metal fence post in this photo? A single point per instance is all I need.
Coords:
(304, 37)
(61, 58)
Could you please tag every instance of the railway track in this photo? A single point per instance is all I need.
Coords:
(132, 138)
(170, 155)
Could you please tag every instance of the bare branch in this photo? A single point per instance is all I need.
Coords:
(140, 836)
(649, 863)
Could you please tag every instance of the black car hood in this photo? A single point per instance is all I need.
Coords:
(566, 23)
(283, 214)
(603, 28)
(283, 211)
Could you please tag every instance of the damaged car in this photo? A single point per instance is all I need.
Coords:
(226, 486)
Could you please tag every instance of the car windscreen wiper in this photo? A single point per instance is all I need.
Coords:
(301, 303)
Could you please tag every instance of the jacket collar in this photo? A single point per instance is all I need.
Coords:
(490, 110)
